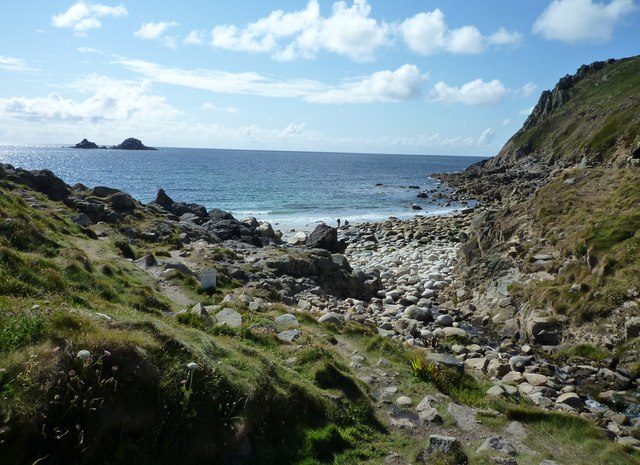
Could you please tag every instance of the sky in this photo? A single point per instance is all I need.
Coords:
(455, 77)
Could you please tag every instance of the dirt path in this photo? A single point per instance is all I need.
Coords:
(385, 389)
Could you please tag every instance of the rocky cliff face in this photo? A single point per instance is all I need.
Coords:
(558, 240)
(591, 118)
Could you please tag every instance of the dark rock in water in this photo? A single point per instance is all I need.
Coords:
(415, 206)
(133, 144)
(326, 237)
(85, 144)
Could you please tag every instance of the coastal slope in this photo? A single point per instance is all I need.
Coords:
(167, 333)
(558, 240)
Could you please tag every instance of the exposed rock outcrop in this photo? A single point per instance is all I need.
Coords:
(86, 144)
(326, 237)
(132, 144)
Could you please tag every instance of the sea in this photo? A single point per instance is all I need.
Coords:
(292, 190)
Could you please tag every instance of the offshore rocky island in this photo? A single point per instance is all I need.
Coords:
(130, 143)
(507, 333)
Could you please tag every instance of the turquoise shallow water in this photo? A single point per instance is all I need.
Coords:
(287, 188)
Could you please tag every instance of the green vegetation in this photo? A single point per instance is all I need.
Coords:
(567, 438)
(600, 115)
(461, 387)
(20, 330)
(135, 396)
(600, 235)
(587, 351)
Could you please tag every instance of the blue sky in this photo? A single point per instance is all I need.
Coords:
(455, 77)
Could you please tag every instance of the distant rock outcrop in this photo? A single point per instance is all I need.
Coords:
(86, 144)
(133, 144)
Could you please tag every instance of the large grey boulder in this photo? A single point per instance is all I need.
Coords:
(544, 329)
(427, 412)
(519, 362)
(287, 321)
(445, 360)
(289, 335)
(497, 368)
(570, 399)
(497, 444)
(418, 313)
(331, 318)
(444, 447)
(229, 317)
(326, 237)
(202, 313)
(122, 201)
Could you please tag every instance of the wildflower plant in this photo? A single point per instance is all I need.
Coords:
(187, 384)
(76, 397)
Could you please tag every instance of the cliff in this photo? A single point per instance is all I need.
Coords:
(590, 118)
(559, 235)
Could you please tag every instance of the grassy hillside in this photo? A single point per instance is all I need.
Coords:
(593, 114)
(98, 366)
(592, 218)
(95, 367)
(565, 187)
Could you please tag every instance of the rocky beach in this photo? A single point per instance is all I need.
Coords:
(504, 333)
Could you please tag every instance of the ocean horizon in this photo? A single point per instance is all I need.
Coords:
(290, 189)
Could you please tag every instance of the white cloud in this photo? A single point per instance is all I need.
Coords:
(427, 33)
(430, 143)
(196, 38)
(348, 31)
(506, 122)
(383, 86)
(83, 16)
(529, 89)
(504, 37)
(222, 81)
(292, 130)
(581, 20)
(475, 92)
(112, 110)
(89, 50)
(486, 137)
(212, 107)
(151, 31)
(109, 100)
(466, 39)
(14, 64)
